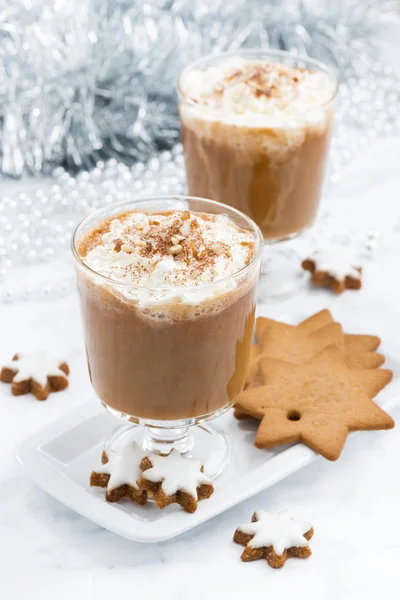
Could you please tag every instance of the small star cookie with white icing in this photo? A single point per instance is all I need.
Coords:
(39, 374)
(174, 479)
(335, 269)
(119, 473)
(274, 537)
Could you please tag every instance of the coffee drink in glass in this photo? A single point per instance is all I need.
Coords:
(255, 129)
(167, 287)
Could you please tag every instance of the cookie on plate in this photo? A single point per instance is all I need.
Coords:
(119, 473)
(318, 402)
(290, 343)
(275, 339)
(173, 479)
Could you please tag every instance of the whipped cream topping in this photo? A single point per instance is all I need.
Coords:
(256, 92)
(159, 253)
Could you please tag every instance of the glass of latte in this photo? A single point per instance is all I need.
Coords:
(255, 127)
(167, 288)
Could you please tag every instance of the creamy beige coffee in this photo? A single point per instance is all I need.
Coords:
(168, 311)
(255, 136)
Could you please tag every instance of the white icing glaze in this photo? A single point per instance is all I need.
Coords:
(176, 473)
(228, 92)
(337, 263)
(280, 531)
(35, 366)
(155, 275)
(123, 466)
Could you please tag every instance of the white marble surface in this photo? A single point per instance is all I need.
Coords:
(47, 551)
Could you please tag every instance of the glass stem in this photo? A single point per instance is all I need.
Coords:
(162, 441)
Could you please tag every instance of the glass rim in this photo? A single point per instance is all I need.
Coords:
(98, 213)
(262, 51)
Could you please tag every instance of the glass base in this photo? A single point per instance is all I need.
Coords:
(282, 275)
(204, 443)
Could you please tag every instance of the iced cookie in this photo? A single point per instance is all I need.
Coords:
(174, 479)
(318, 402)
(36, 373)
(119, 474)
(274, 538)
(335, 269)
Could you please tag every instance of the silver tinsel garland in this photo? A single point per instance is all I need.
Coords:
(84, 84)
(85, 80)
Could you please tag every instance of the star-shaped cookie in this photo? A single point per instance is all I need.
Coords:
(358, 350)
(357, 343)
(119, 474)
(174, 479)
(39, 374)
(274, 537)
(317, 403)
(290, 343)
(334, 269)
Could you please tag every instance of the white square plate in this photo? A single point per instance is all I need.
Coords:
(61, 457)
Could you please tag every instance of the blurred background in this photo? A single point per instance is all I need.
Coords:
(88, 112)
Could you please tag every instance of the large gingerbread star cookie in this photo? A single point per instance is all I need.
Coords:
(318, 402)
(297, 343)
(290, 343)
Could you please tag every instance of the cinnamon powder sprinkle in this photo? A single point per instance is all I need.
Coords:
(265, 79)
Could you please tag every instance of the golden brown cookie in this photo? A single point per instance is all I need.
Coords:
(322, 274)
(293, 344)
(317, 402)
(290, 343)
(357, 349)
(354, 342)
(173, 479)
(119, 473)
(274, 538)
(312, 323)
(38, 374)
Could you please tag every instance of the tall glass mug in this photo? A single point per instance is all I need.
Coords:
(168, 358)
(258, 141)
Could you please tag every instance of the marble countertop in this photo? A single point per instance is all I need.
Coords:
(47, 551)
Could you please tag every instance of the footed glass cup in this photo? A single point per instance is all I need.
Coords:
(168, 366)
